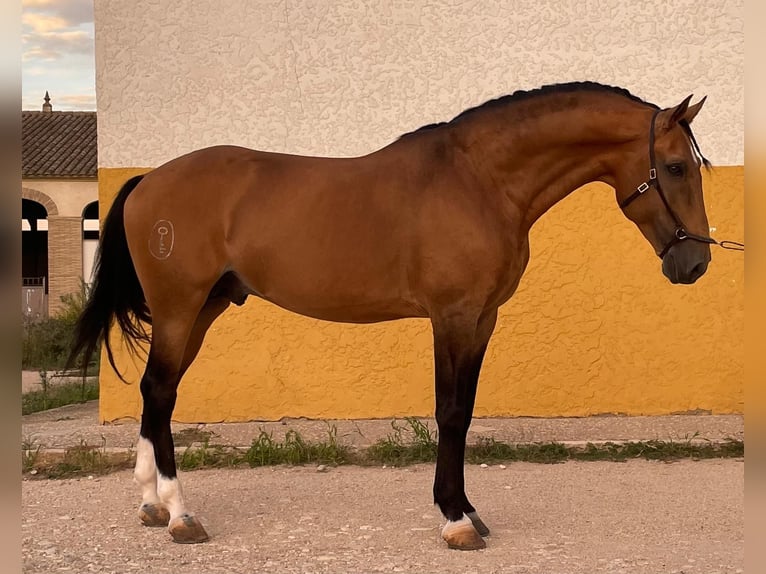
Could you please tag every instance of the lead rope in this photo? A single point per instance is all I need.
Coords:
(733, 245)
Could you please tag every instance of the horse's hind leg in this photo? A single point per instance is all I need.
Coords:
(153, 511)
(162, 497)
(209, 313)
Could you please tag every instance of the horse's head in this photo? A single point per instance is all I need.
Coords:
(659, 188)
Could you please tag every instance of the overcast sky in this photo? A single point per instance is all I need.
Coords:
(57, 54)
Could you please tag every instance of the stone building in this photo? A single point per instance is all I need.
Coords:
(59, 205)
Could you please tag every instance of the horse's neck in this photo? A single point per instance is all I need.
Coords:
(547, 157)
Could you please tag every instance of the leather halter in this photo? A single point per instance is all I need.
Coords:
(680, 234)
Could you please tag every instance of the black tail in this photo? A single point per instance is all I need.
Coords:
(115, 293)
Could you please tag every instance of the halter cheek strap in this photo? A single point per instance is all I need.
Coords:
(680, 234)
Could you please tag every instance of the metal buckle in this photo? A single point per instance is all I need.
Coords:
(642, 188)
(652, 174)
(681, 234)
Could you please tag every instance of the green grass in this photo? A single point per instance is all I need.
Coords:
(208, 456)
(410, 443)
(265, 451)
(488, 450)
(51, 396)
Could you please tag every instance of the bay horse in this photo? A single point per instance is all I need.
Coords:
(434, 225)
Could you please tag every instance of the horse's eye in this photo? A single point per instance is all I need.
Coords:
(675, 169)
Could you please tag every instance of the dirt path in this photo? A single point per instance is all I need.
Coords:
(637, 517)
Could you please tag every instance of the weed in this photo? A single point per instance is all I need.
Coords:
(207, 456)
(263, 451)
(396, 450)
(30, 454)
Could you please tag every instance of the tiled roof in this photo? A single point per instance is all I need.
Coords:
(59, 144)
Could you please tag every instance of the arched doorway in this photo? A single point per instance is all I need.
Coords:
(89, 240)
(34, 260)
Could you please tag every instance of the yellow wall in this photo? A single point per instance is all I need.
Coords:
(594, 328)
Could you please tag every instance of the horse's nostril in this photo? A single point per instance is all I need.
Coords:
(698, 271)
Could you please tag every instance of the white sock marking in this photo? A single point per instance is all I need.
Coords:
(145, 472)
(171, 495)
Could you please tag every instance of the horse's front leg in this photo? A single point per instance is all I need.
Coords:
(459, 345)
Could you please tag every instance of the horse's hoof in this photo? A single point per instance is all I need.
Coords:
(461, 535)
(187, 529)
(154, 514)
(478, 523)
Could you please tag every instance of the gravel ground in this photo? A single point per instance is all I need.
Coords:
(637, 517)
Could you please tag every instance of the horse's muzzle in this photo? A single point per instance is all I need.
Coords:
(680, 267)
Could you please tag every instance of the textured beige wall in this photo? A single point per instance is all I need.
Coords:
(345, 78)
(594, 327)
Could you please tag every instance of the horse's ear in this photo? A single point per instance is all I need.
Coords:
(692, 111)
(669, 117)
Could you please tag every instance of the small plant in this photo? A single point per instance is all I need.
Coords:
(398, 450)
(263, 451)
(207, 456)
(331, 451)
(30, 454)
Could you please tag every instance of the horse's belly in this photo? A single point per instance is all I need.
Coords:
(327, 291)
(349, 313)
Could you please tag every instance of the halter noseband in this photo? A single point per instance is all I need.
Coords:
(680, 234)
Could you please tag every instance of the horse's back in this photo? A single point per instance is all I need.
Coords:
(316, 235)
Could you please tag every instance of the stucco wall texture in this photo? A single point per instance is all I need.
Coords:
(594, 327)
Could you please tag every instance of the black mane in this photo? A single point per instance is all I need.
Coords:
(566, 88)
(522, 95)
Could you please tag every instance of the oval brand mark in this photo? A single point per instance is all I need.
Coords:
(161, 239)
